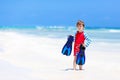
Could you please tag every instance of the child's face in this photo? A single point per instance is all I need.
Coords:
(80, 27)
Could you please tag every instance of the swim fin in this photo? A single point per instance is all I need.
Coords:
(81, 56)
(67, 48)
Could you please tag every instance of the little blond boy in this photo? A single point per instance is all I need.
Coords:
(80, 39)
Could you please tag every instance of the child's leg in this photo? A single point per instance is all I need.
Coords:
(74, 63)
(80, 67)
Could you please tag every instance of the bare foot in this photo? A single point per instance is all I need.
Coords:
(74, 69)
(80, 69)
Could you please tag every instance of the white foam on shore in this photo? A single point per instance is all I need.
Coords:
(25, 57)
(114, 31)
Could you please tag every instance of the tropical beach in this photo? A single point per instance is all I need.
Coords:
(29, 56)
(33, 33)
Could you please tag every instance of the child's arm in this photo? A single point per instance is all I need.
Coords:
(87, 40)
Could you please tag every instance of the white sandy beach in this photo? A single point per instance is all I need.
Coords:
(27, 57)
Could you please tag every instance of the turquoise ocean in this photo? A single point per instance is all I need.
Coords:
(96, 34)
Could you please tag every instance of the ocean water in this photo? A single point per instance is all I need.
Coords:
(96, 34)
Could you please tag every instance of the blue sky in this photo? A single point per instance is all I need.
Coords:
(102, 13)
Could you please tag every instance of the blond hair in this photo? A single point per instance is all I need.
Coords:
(80, 22)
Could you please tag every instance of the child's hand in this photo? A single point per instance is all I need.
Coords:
(84, 45)
(70, 38)
(70, 35)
